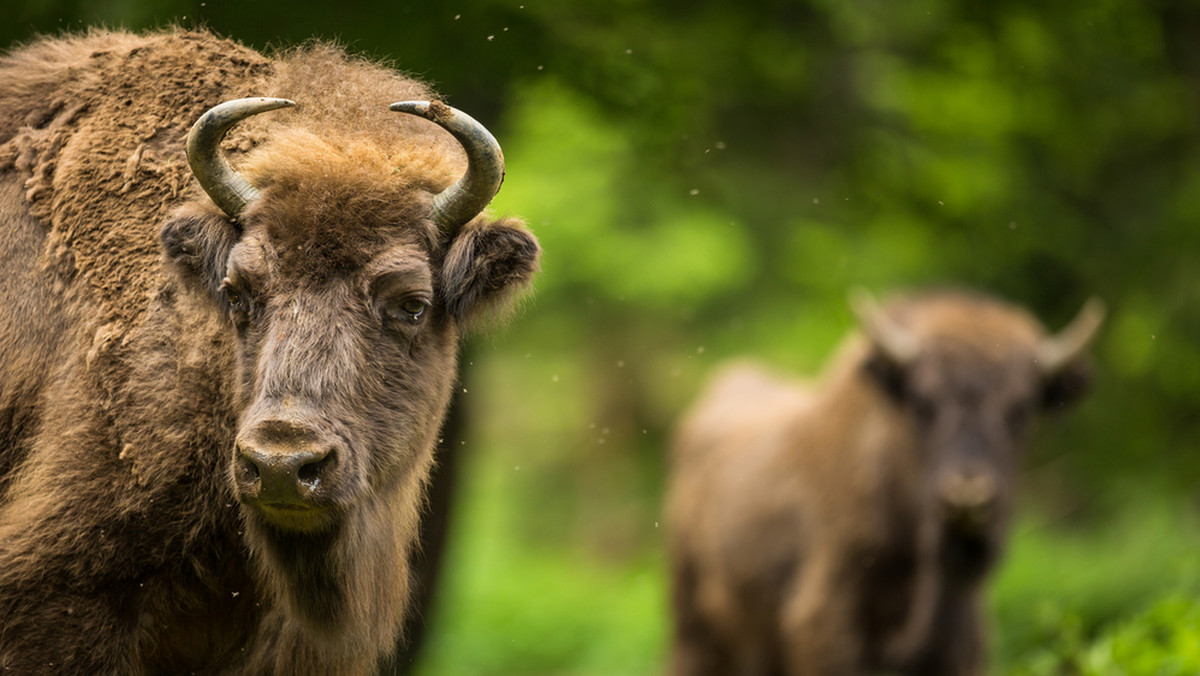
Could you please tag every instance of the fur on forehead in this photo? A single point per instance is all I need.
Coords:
(342, 104)
(340, 159)
(341, 202)
(973, 321)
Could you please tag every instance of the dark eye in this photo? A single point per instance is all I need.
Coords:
(232, 294)
(239, 302)
(410, 310)
(414, 307)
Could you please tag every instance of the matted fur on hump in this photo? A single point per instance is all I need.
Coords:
(93, 126)
(99, 146)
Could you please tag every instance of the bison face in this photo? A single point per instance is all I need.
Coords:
(969, 415)
(346, 342)
(968, 374)
(343, 272)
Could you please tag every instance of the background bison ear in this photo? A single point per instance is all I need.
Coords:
(887, 374)
(197, 242)
(1067, 385)
(487, 264)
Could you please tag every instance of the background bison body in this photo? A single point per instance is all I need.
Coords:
(848, 526)
(217, 427)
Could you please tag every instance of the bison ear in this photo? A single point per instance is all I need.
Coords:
(488, 263)
(890, 376)
(197, 242)
(1068, 385)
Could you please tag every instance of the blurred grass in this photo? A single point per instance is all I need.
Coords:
(1064, 584)
(1163, 641)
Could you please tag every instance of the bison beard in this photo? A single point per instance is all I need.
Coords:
(161, 357)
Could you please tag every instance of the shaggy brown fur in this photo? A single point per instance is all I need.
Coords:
(145, 333)
(811, 532)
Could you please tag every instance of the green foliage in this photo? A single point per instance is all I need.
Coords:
(1161, 641)
(1164, 641)
(659, 252)
(1063, 584)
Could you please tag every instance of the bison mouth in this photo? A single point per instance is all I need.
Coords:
(973, 520)
(294, 517)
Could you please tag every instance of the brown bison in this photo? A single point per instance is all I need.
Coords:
(219, 397)
(848, 527)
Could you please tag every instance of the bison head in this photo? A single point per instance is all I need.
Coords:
(344, 272)
(968, 374)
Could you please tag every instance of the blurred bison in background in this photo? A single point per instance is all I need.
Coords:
(848, 526)
(219, 397)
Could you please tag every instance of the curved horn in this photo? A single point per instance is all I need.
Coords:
(464, 200)
(896, 342)
(1055, 352)
(225, 186)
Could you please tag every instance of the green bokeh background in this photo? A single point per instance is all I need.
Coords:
(708, 179)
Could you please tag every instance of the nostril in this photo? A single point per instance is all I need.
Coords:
(310, 473)
(247, 465)
(249, 469)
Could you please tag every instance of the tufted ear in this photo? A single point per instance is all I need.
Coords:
(488, 263)
(197, 241)
(890, 376)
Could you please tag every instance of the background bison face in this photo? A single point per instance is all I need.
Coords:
(969, 374)
(346, 339)
(969, 412)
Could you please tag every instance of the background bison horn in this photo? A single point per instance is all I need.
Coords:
(225, 186)
(485, 163)
(897, 344)
(1057, 351)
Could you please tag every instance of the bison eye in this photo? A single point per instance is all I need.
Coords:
(414, 308)
(410, 310)
(231, 294)
(237, 299)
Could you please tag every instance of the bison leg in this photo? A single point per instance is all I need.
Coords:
(817, 623)
(697, 651)
(696, 647)
(957, 648)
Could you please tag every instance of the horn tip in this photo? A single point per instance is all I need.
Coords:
(860, 299)
(421, 108)
(269, 103)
